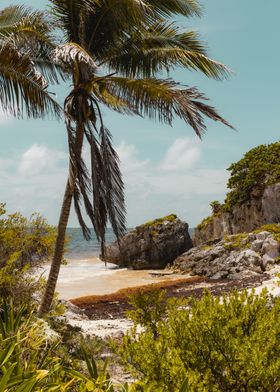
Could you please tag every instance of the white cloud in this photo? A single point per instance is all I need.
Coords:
(183, 154)
(34, 181)
(177, 183)
(38, 159)
(134, 170)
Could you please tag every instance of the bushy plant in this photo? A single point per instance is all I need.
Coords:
(149, 308)
(259, 167)
(24, 245)
(214, 344)
(30, 358)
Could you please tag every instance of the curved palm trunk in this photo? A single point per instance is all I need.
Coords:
(62, 226)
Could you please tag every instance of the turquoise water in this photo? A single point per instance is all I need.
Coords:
(79, 248)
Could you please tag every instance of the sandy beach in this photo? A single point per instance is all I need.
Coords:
(84, 277)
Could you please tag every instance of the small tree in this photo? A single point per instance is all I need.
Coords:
(24, 245)
(215, 206)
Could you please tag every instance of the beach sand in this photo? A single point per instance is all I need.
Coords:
(85, 277)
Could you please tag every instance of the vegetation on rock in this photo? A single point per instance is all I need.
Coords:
(159, 221)
(205, 222)
(258, 168)
(273, 228)
(237, 241)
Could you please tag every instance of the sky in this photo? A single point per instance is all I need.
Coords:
(166, 170)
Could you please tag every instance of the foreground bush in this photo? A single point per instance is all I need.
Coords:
(207, 345)
(30, 358)
(24, 245)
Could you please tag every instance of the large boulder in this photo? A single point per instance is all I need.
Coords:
(234, 257)
(151, 245)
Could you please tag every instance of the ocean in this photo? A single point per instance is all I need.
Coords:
(79, 248)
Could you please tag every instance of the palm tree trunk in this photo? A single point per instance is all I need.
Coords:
(62, 226)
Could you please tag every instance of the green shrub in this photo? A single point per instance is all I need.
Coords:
(209, 345)
(24, 245)
(259, 167)
(149, 308)
(30, 358)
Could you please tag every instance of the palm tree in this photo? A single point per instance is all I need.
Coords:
(26, 66)
(115, 51)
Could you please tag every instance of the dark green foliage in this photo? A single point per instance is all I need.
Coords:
(259, 167)
(210, 345)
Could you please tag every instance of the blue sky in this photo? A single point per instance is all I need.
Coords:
(165, 169)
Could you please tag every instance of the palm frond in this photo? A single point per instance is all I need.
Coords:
(148, 52)
(164, 100)
(22, 88)
(104, 21)
(172, 7)
(67, 14)
(114, 185)
(12, 17)
(98, 85)
(77, 61)
(104, 186)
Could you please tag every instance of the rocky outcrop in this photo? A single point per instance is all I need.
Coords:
(262, 208)
(152, 245)
(235, 257)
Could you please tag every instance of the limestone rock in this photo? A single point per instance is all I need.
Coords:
(152, 245)
(271, 247)
(262, 209)
(235, 257)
